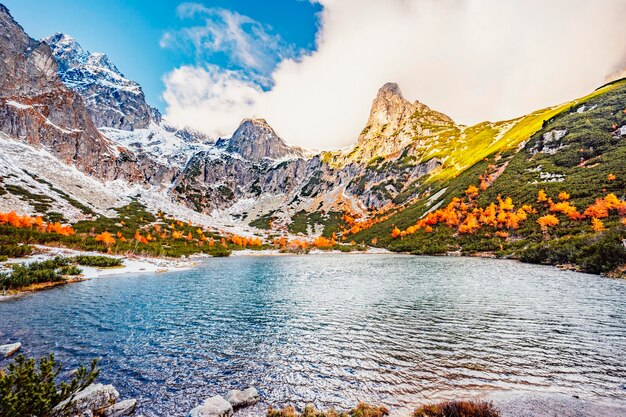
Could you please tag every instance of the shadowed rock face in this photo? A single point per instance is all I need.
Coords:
(38, 109)
(255, 140)
(111, 99)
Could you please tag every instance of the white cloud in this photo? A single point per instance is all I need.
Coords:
(472, 59)
(209, 99)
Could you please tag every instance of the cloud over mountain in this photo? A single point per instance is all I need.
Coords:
(472, 59)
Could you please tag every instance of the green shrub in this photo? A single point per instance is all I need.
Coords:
(98, 261)
(31, 388)
(15, 251)
(23, 275)
(592, 253)
(70, 270)
(219, 252)
(4, 258)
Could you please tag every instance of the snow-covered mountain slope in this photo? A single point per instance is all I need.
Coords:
(34, 181)
(164, 144)
(112, 100)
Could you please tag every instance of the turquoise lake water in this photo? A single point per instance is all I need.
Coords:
(335, 329)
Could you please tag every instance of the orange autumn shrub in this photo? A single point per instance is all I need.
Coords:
(597, 225)
(29, 222)
(547, 221)
(541, 196)
(106, 238)
(472, 191)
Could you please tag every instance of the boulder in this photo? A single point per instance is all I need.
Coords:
(212, 407)
(10, 349)
(244, 398)
(123, 408)
(93, 398)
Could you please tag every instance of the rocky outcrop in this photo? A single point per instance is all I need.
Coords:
(10, 349)
(38, 109)
(395, 123)
(212, 407)
(94, 398)
(247, 397)
(255, 140)
(550, 142)
(120, 409)
(111, 99)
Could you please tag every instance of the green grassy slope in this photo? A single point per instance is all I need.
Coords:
(578, 163)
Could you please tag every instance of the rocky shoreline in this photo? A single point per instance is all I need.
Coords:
(100, 400)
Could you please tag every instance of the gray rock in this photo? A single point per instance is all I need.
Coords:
(10, 349)
(212, 407)
(245, 398)
(255, 140)
(123, 408)
(554, 135)
(93, 398)
(87, 413)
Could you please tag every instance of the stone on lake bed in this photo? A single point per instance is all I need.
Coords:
(10, 349)
(212, 407)
(123, 408)
(245, 398)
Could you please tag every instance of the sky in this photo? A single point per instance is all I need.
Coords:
(312, 68)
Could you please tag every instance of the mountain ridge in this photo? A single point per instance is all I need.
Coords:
(408, 161)
(112, 100)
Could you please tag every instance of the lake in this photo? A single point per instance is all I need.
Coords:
(335, 329)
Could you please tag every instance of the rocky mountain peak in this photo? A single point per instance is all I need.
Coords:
(36, 108)
(390, 89)
(255, 140)
(67, 51)
(112, 100)
(389, 106)
(394, 123)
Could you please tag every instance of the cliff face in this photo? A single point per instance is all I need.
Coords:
(38, 109)
(111, 99)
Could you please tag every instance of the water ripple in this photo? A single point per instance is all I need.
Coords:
(335, 329)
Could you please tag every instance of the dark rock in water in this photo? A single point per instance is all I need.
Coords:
(212, 407)
(245, 398)
(10, 349)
